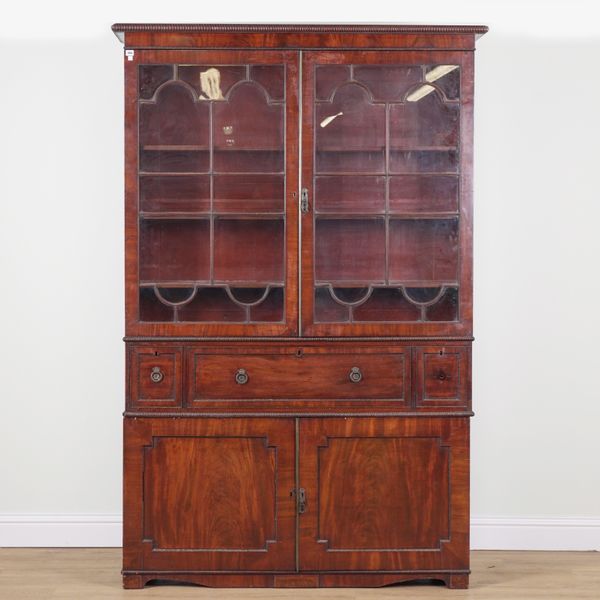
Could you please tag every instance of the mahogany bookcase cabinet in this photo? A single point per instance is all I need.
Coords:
(298, 205)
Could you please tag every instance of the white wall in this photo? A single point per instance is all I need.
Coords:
(535, 476)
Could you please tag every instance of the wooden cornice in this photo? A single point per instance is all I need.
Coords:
(295, 28)
(298, 34)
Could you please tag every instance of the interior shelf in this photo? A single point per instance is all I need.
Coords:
(422, 284)
(346, 216)
(262, 216)
(178, 173)
(382, 285)
(423, 215)
(173, 216)
(201, 148)
(399, 148)
(175, 148)
(219, 172)
(210, 284)
(191, 216)
(364, 283)
(174, 284)
(235, 148)
(170, 173)
(382, 148)
(391, 215)
(353, 173)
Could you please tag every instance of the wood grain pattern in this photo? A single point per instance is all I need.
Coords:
(302, 375)
(209, 494)
(426, 39)
(382, 493)
(382, 498)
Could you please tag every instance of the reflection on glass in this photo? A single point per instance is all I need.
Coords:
(431, 75)
(210, 84)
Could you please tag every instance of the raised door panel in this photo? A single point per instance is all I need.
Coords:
(209, 494)
(211, 193)
(386, 165)
(384, 494)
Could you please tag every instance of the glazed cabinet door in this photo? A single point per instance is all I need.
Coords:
(211, 192)
(209, 495)
(384, 494)
(386, 179)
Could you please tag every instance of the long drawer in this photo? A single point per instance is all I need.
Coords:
(300, 374)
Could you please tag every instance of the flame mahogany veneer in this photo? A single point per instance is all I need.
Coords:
(298, 392)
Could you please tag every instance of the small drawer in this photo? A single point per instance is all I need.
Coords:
(155, 377)
(300, 374)
(442, 376)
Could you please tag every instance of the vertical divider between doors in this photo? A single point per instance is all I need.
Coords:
(299, 192)
(297, 487)
(211, 183)
(307, 249)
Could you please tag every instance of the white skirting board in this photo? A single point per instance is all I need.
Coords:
(526, 533)
(487, 533)
(31, 530)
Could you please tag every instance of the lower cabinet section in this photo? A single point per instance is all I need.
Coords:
(305, 501)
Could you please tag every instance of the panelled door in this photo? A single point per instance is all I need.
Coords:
(209, 494)
(384, 494)
(211, 192)
(386, 174)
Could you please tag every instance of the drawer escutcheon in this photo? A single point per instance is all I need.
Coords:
(156, 375)
(241, 377)
(355, 375)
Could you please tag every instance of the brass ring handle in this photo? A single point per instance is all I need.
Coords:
(241, 376)
(156, 375)
(355, 375)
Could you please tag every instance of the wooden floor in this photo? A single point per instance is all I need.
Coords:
(91, 573)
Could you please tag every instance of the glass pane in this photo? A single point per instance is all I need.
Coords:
(386, 193)
(211, 193)
(350, 250)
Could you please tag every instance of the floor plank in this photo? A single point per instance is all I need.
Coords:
(93, 573)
